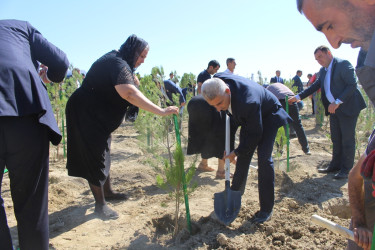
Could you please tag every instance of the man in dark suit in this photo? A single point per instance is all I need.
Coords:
(277, 78)
(297, 81)
(354, 24)
(260, 115)
(342, 102)
(172, 89)
(27, 125)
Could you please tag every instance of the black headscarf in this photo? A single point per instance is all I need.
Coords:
(131, 49)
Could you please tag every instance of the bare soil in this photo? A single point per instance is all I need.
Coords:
(146, 218)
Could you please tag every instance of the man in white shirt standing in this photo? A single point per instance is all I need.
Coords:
(231, 64)
(342, 102)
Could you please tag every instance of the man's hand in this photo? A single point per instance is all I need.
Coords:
(232, 157)
(43, 73)
(292, 100)
(363, 237)
(332, 108)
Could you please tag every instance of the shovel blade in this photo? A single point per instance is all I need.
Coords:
(227, 205)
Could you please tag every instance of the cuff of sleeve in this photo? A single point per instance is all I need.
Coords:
(338, 101)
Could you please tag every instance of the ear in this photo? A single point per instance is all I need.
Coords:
(227, 90)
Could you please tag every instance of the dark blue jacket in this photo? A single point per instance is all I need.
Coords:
(297, 83)
(172, 89)
(22, 92)
(252, 107)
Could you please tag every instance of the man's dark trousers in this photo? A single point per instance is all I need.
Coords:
(266, 173)
(343, 140)
(297, 124)
(24, 151)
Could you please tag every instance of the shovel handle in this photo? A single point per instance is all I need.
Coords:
(336, 228)
(227, 147)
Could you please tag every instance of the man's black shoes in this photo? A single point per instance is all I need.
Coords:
(327, 170)
(340, 176)
(261, 217)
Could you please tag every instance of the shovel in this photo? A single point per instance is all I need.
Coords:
(336, 228)
(227, 203)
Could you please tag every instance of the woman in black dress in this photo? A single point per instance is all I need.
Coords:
(96, 109)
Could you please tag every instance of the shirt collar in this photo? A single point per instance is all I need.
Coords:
(330, 65)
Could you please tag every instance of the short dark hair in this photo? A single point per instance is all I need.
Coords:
(309, 75)
(229, 60)
(299, 71)
(213, 63)
(299, 5)
(322, 48)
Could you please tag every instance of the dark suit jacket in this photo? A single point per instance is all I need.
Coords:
(172, 89)
(298, 83)
(252, 107)
(343, 87)
(274, 79)
(22, 92)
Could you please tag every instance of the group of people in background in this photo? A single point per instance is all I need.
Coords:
(98, 106)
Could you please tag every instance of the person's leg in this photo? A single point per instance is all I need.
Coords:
(313, 105)
(266, 173)
(203, 166)
(101, 207)
(27, 160)
(5, 237)
(336, 142)
(109, 194)
(297, 125)
(241, 172)
(347, 125)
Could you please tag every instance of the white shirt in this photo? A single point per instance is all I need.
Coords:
(228, 71)
(327, 83)
(327, 86)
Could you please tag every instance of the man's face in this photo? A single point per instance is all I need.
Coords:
(344, 21)
(278, 73)
(212, 70)
(221, 102)
(299, 74)
(232, 65)
(323, 59)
